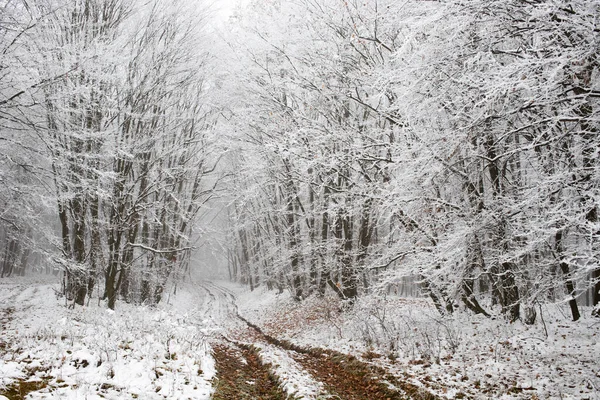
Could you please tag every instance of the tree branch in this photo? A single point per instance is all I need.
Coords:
(156, 251)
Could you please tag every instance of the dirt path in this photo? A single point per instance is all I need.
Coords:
(342, 376)
(242, 375)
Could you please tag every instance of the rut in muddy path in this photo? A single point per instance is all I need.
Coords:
(242, 375)
(344, 375)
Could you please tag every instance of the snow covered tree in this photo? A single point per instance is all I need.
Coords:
(454, 142)
(493, 95)
(324, 144)
(127, 134)
(22, 165)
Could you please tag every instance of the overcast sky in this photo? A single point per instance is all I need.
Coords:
(224, 8)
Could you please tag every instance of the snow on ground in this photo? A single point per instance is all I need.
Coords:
(465, 356)
(163, 352)
(91, 352)
(294, 380)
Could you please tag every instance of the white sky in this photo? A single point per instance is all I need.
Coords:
(224, 8)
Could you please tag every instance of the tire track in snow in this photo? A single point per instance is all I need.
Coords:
(241, 374)
(289, 377)
(329, 373)
(293, 378)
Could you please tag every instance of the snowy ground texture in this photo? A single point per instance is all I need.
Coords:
(463, 357)
(51, 351)
(94, 353)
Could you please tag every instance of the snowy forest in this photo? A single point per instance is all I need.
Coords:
(349, 152)
(452, 143)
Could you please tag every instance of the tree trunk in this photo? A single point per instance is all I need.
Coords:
(564, 267)
(475, 261)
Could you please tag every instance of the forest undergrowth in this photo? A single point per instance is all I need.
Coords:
(49, 350)
(453, 357)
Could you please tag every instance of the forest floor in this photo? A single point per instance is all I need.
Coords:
(52, 351)
(464, 356)
(222, 341)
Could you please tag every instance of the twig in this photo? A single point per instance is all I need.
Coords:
(156, 251)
